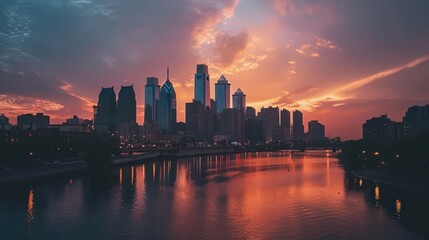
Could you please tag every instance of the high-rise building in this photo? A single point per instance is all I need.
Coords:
(270, 117)
(4, 120)
(30, 121)
(298, 126)
(151, 90)
(4, 124)
(416, 121)
(239, 100)
(316, 130)
(222, 94)
(167, 113)
(382, 128)
(285, 123)
(106, 109)
(250, 113)
(195, 119)
(232, 124)
(127, 105)
(202, 85)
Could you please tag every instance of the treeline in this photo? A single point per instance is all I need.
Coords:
(407, 157)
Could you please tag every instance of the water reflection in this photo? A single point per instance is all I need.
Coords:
(244, 196)
(377, 194)
(398, 208)
(30, 206)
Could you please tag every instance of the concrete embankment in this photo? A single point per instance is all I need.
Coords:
(16, 175)
(390, 180)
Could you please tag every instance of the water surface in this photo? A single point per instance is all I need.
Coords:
(240, 196)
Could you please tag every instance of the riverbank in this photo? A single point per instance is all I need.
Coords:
(25, 174)
(51, 170)
(55, 169)
(390, 180)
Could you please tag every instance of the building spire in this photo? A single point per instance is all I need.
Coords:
(168, 73)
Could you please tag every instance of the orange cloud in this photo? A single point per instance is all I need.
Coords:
(16, 105)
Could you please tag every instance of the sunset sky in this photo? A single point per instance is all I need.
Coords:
(339, 61)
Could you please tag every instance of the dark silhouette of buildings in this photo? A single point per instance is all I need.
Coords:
(167, 106)
(416, 121)
(378, 128)
(222, 94)
(202, 85)
(4, 119)
(285, 123)
(105, 112)
(30, 121)
(316, 130)
(298, 126)
(195, 120)
(152, 90)
(270, 117)
(250, 112)
(4, 123)
(127, 105)
(231, 124)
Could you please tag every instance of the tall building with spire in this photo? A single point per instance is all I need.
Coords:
(127, 105)
(202, 85)
(167, 113)
(222, 94)
(151, 100)
(239, 100)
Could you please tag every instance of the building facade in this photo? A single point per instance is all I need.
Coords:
(105, 115)
(239, 100)
(127, 106)
(298, 126)
(222, 94)
(167, 114)
(202, 85)
(151, 101)
(316, 130)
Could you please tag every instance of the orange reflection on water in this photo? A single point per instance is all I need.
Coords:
(132, 174)
(120, 176)
(30, 206)
(398, 207)
(377, 193)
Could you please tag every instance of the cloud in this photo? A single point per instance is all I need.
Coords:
(14, 105)
(380, 75)
(295, 7)
(228, 47)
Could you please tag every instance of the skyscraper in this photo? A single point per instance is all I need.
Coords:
(167, 106)
(285, 122)
(316, 130)
(250, 113)
(239, 100)
(127, 105)
(298, 126)
(222, 94)
(106, 109)
(202, 85)
(270, 116)
(151, 102)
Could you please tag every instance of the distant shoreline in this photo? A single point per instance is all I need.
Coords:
(391, 180)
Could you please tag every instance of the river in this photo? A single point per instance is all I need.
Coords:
(241, 196)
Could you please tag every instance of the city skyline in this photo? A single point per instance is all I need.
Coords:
(332, 60)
